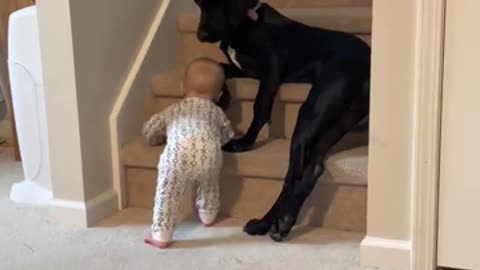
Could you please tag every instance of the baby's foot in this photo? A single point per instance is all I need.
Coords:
(207, 218)
(208, 224)
(148, 239)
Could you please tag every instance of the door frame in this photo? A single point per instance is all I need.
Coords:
(430, 37)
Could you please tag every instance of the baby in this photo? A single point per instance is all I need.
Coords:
(196, 128)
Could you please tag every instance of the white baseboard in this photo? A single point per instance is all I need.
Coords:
(84, 214)
(30, 192)
(385, 254)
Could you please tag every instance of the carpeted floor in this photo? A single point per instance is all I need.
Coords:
(30, 241)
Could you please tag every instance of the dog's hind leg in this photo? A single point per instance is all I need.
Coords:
(301, 188)
(297, 158)
(328, 133)
(334, 107)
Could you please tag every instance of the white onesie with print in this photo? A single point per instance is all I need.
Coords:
(196, 129)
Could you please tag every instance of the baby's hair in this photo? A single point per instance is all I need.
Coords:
(204, 75)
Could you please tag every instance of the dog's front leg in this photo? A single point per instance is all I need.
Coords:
(232, 71)
(224, 100)
(270, 81)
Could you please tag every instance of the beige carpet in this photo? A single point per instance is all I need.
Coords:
(30, 241)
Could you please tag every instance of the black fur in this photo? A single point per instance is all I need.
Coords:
(275, 49)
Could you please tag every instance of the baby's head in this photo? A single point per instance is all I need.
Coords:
(203, 78)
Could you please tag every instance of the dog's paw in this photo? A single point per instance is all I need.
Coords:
(257, 227)
(281, 227)
(238, 145)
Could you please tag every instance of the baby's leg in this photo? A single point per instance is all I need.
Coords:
(208, 199)
(171, 185)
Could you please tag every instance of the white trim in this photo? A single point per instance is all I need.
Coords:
(30, 192)
(430, 30)
(385, 254)
(87, 213)
(77, 205)
(118, 184)
(95, 202)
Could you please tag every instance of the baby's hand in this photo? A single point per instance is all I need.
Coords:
(154, 129)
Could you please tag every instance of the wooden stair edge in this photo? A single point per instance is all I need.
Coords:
(262, 162)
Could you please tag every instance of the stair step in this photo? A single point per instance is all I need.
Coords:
(355, 20)
(288, 101)
(268, 160)
(330, 205)
(168, 85)
(318, 3)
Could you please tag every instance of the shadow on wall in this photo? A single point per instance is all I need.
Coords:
(3, 111)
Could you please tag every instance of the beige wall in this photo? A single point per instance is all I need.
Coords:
(163, 54)
(391, 129)
(135, 104)
(87, 48)
(459, 218)
(106, 37)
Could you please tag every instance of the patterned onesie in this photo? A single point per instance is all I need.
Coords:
(196, 129)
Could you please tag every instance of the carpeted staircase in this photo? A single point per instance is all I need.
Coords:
(251, 181)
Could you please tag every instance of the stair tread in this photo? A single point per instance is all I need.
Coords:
(267, 160)
(357, 20)
(167, 84)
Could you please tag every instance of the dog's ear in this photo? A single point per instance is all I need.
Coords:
(198, 2)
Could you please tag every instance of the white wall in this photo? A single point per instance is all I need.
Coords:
(391, 129)
(388, 243)
(61, 99)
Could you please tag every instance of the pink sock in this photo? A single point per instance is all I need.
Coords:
(207, 218)
(209, 224)
(148, 239)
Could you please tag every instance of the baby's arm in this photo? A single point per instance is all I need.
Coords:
(225, 129)
(154, 130)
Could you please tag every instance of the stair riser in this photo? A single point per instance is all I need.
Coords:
(333, 206)
(318, 3)
(192, 48)
(284, 117)
(240, 114)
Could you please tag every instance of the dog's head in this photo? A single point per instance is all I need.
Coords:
(220, 18)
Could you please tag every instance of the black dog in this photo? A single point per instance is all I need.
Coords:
(261, 43)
